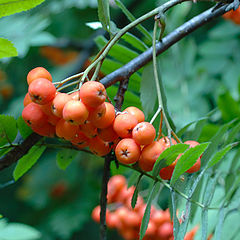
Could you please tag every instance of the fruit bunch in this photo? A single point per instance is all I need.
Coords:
(233, 16)
(127, 221)
(86, 120)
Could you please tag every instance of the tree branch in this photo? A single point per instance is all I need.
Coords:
(131, 67)
(127, 70)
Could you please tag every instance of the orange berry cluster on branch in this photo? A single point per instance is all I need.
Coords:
(86, 120)
(127, 221)
(233, 16)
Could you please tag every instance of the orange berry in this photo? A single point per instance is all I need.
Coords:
(127, 151)
(89, 129)
(96, 114)
(59, 102)
(27, 100)
(46, 108)
(75, 112)
(93, 93)
(151, 229)
(38, 72)
(33, 115)
(115, 185)
(52, 119)
(165, 230)
(46, 130)
(107, 134)
(99, 147)
(42, 91)
(144, 133)
(107, 119)
(80, 140)
(124, 124)
(112, 220)
(137, 113)
(96, 214)
(165, 142)
(66, 130)
(6, 90)
(197, 165)
(166, 173)
(149, 155)
(75, 95)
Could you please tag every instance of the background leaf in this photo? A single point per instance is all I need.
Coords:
(8, 129)
(65, 157)
(7, 49)
(8, 7)
(27, 161)
(104, 14)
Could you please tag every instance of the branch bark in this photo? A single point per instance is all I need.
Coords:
(131, 67)
(127, 70)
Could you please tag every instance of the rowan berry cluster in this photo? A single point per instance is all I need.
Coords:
(233, 16)
(127, 221)
(86, 120)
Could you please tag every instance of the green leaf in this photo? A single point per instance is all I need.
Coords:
(23, 128)
(204, 223)
(134, 41)
(228, 113)
(7, 48)
(104, 14)
(183, 226)
(27, 161)
(119, 52)
(176, 223)
(231, 191)
(65, 157)
(219, 226)
(135, 194)
(148, 93)
(187, 160)
(219, 155)
(169, 155)
(18, 231)
(8, 7)
(215, 140)
(8, 129)
(198, 128)
(152, 193)
(132, 18)
(233, 134)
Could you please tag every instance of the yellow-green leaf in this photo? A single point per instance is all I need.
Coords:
(8, 7)
(6, 48)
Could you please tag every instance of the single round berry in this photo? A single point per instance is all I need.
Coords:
(47, 130)
(107, 134)
(59, 102)
(93, 93)
(99, 147)
(124, 124)
(75, 112)
(33, 115)
(66, 130)
(27, 100)
(38, 72)
(127, 151)
(42, 91)
(144, 133)
(137, 113)
(106, 119)
(80, 140)
(149, 155)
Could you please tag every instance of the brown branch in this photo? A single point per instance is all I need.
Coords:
(19, 151)
(127, 70)
(134, 65)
